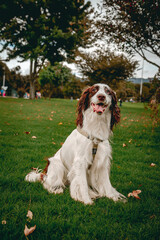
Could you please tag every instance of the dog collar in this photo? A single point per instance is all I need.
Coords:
(96, 141)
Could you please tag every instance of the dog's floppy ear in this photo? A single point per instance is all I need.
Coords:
(83, 104)
(115, 110)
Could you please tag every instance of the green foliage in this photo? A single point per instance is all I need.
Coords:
(44, 29)
(133, 25)
(73, 88)
(14, 80)
(51, 77)
(105, 66)
(58, 216)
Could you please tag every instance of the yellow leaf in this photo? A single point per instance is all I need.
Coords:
(60, 123)
(29, 214)
(28, 231)
(134, 194)
(124, 118)
(152, 164)
(34, 137)
(4, 222)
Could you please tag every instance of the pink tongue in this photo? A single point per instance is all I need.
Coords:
(98, 109)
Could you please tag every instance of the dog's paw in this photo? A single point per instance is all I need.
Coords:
(116, 196)
(56, 189)
(33, 177)
(84, 201)
(77, 196)
(92, 194)
(119, 197)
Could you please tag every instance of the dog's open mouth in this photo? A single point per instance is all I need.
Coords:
(99, 108)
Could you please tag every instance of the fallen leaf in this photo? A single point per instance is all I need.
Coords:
(54, 143)
(153, 216)
(130, 141)
(7, 123)
(28, 231)
(152, 164)
(124, 118)
(50, 119)
(4, 222)
(29, 214)
(60, 123)
(34, 137)
(134, 194)
(27, 132)
(124, 145)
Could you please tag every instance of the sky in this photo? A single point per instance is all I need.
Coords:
(149, 70)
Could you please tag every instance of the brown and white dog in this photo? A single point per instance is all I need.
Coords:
(84, 158)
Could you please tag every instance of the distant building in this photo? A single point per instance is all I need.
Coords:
(138, 80)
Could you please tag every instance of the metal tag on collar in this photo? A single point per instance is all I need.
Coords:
(94, 150)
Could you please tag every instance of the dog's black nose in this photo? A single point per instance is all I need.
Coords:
(101, 97)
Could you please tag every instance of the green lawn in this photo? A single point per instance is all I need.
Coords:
(135, 146)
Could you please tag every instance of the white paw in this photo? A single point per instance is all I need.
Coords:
(85, 201)
(116, 196)
(56, 189)
(77, 196)
(33, 177)
(92, 194)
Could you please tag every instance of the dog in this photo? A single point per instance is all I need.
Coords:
(84, 159)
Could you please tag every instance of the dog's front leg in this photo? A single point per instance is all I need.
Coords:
(78, 182)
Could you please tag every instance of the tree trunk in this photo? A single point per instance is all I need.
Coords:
(32, 89)
(32, 78)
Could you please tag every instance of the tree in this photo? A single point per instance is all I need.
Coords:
(52, 77)
(73, 88)
(43, 30)
(133, 25)
(105, 66)
(14, 79)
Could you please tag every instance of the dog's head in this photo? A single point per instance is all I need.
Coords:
(100, 98)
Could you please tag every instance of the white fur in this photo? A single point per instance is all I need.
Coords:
(71, 163)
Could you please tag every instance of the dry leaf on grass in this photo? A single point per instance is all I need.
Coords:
(152, 164)
(124, 118)
(124, 145)
(4, 222)
(60, 123)
(34, 137)
(29, 214)
(27, 132)
(134, 194)
(28, 231)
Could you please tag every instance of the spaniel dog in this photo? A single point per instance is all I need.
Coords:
(84, 159)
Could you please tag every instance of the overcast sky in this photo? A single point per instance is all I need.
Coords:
(149, 70)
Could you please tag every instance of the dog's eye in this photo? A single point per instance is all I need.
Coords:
(107, 91)
(94, 90)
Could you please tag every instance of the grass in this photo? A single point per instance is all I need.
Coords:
(135, 146)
